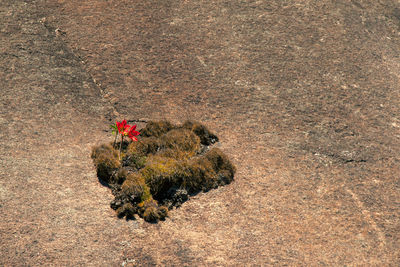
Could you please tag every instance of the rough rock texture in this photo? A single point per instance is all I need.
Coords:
(304, 96)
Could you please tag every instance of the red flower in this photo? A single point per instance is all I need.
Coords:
(132, 133)
(123, 127)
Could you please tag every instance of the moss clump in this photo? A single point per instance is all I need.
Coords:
(179, 143)
(127, 210)
(159, 174)
(160, 171)
(151, 212)
(199, 176)
(144, 146)
(134, 187)
(180, 139)
(221, 164)
(206, 137)
(121, 175)
(106, 161)
(156, 128)
(207, 171)
(135, 161)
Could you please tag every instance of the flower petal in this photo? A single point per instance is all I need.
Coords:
(134, 133)
(133, 138)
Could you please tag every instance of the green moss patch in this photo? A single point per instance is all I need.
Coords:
(167, 165)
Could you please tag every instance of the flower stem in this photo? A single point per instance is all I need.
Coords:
(115, 139)
(120, 146)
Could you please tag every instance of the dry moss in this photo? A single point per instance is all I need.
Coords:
(180, 139)
(179, 144)
(220, 161)
(144, 146)
(162, 169)
(121, 175)
(105, 159)
(134, 161)
(134, 187)
(201, 176)
(156, 128)
(162, 212)
(151, 212)
(206, 137)
(127, 210)
(159, 174)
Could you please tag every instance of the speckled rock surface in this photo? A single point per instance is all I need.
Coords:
(304, 96)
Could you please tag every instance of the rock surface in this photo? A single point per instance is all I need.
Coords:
(304, 96)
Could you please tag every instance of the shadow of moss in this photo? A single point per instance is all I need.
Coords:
(162, 169)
